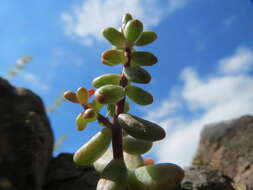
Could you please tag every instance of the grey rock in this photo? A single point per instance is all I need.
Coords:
(202, 178)
(64, 174)
(228, 147)
(26, 139)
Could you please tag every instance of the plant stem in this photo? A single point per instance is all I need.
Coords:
(116, 129)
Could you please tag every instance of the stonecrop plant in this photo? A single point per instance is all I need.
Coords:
(122, 166)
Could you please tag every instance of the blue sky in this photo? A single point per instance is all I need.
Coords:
(204, 73)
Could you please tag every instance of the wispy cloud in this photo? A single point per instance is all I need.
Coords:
(218, 96)
(34, 82)
(87, 19)
(175, 5)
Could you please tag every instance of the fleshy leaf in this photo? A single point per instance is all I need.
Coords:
(133, 30)
(138, 95)
(115, 37)
(156, 177)
(109, 94)
(140, 128)
(143, 58)
(106, 79)
(113, 57)
(137, 75)
(146, 38)
(136, 146)
(94, 148)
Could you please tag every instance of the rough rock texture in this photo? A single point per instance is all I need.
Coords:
(202, 178)
(26, 139)
(64, 174)
(228, 146)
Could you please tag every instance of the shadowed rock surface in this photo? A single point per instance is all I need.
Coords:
(228, 147)
(26, 139)
(64, 174)
(202, 178)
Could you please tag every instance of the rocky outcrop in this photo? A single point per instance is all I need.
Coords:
(228, 147)
(202, 178)
(64, 174)
(26, 139)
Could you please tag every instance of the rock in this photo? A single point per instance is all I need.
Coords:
(64, 174)
(202, 178)
(228, 147)
(26, 139)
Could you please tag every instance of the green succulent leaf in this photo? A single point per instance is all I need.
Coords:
(156, 177)
(140, 128)
(143, 58)
(81, 123)
(138, 95)
(109, 94)
(136, 146)
(133, 30)
(137, 75)
(94, 148)
(106, 79)
(115, 37)
(146, 38)
(133, 161)
(113, 57)
(103, 161)
(114, 176)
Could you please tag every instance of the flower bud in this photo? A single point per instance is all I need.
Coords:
(136, 146)
(115, 37)
(80, 122)
(71, 96)
(137, 75)
(82, 95)
(149, 161)
(114, 176)
(113, 57)
(133, 30)
(156, 177)
(143, 58)
(94, 148)
(106, 79)
(138, 95)
(140, 128)
(146, 38)
(109, 94)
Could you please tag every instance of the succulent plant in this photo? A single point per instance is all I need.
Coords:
(122, 166)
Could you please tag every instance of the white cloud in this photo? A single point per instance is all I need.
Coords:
(87, 19)
(241, 61)
(175, 5)
(206, 100)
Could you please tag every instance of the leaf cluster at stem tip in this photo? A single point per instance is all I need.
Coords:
(122, 165)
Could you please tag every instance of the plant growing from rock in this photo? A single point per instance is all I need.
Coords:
(123, 167)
